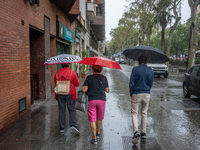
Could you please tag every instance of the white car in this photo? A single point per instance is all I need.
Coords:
(117, 60)
(159, 69)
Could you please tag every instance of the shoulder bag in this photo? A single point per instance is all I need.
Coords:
(62, 87)
(81, 102)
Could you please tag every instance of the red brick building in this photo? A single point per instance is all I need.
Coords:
(31, 31)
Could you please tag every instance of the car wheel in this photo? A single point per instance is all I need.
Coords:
(165, 76)
(185, 91)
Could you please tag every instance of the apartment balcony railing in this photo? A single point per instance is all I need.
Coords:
(91, 10)
(99, 20)
(98, 24)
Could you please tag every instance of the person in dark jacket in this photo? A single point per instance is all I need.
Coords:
(141, 81)
(69, 99)
(96, 85)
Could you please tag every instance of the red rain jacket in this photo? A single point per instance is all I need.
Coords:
(74, 82)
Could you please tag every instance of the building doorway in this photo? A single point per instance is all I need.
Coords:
(37, 58)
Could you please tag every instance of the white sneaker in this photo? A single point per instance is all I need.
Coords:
(75, 129)
(136, 137)
(62, 130)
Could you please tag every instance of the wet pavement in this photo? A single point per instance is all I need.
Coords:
(173, 121)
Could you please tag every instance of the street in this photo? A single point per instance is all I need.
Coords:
(172, 124)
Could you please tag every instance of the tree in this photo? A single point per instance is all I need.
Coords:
(107, 52)
(163, 8)
(173, 27)
(145, 14)
(180, 39)
(193, 32)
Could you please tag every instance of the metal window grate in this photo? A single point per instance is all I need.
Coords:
(22, 104)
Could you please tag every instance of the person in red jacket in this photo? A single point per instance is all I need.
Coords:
(69, 99)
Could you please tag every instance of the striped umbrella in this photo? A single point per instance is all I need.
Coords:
(63, 59)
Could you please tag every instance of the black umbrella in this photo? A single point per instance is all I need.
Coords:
(153, 55)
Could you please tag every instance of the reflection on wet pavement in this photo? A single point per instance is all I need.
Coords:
(148, 144)
(172, 126)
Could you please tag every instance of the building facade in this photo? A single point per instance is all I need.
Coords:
(30, 33)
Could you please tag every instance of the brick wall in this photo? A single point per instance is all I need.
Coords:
(15, 53)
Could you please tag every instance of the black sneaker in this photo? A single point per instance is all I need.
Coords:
(94, 141)
(136, 137)
(75, 129)
(98, 135)
(143, 135)
(62, 130)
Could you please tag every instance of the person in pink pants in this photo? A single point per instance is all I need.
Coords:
(96, 85)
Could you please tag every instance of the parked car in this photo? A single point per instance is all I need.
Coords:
(159, 69)
(117, 59)
(122, 61)
(191, 84)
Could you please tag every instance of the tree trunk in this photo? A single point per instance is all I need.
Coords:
(163, 39)
(170, 37)
(148, 39)
(193, 33)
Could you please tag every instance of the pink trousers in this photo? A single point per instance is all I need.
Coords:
(96, 110)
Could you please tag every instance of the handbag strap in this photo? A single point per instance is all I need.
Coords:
(63, 76)
(100, 83)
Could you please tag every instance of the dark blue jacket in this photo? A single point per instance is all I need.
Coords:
(141, 79)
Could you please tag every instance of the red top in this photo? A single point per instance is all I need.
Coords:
(74, 82)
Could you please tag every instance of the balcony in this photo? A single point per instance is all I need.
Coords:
(98, 24)
(99, 20)
(68, 7)
(91, 10)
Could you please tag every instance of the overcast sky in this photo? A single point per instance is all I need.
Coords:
(114, 10)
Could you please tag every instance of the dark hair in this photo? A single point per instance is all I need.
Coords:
(142, 59)
(97, 68)
(65, 65)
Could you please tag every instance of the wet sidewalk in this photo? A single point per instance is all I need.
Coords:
(39, 130)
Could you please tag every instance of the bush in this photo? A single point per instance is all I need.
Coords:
(178, 62)
(171, 61)
(185, 62)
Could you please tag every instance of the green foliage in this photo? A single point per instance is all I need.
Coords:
(107, 52)
(180, 39)
(84, 53)
(83, 67)
(178, 62)
(134, 25)
(197, 60)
